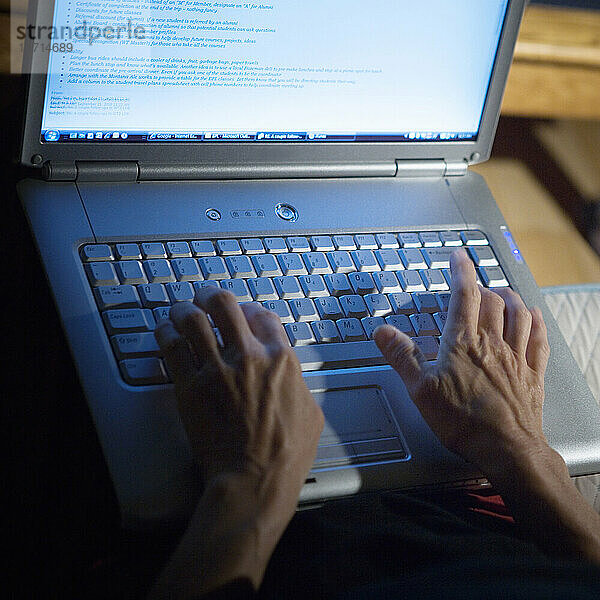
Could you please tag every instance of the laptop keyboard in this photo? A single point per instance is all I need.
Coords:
(330, 292)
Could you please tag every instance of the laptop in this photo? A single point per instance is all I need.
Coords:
(310, 156)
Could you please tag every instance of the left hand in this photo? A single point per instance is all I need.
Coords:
(245, 407)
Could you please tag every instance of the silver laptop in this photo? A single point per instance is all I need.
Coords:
(310, 156)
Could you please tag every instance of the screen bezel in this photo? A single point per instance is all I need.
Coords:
(36, 153)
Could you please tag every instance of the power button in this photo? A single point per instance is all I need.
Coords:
(286, 212)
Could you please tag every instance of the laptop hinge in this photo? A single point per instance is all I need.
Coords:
(430, 168)
(87, 171)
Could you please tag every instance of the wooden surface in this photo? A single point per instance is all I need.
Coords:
(556, 68)
(552, 247)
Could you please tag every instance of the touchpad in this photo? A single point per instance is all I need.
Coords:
(359, 428)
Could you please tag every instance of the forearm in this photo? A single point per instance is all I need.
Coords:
(536, 486)
(230, 536)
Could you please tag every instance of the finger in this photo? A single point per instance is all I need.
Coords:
(227, 315)
(175, 349)
(402, 354)
(463, 310)
(491, 314)
(538, 349)
(265, 325)
(193, 324)
(517, 321)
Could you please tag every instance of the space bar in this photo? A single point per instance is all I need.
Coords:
(339, 356)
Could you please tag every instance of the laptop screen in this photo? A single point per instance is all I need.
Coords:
(295, 71)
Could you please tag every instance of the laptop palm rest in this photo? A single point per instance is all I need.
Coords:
(359, 428)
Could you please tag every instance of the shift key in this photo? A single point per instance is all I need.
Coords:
(129, 320)
(135, 345)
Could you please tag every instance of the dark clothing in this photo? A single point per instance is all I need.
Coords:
(400, 546)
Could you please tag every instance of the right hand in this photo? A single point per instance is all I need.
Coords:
(483, 396)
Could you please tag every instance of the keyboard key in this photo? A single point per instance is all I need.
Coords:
(450, 238)
(281, 309)
(128, 252)
(275, 245)
(401, 322)
(159, 271)
(322, 243)
(365, 260)
(161, 313)
(378, 305)
(131, 272)
(303, 309)
(362, 283)
(178, 249)
(186, 269)
(240, 267)
(96, 252)
(402, 303)
(440, 320)
(438, 258)
(341, 262)
(288, 287)
(119, 296)
(483, 256)
(389, 260)
(387, 240)
(153, 250)
(344, 242)
(370, 324)
(135, 345)
(329, 308)
(338, 284)
(351, 330)
(213, 267)
(339, 356)
(443, 300)
(493, 277)
(228, 247)
(313, 286)
(198, 285)
(326, 332)
(410, 281)
(298, 244)
(238, 288)
(128, 320)
(434, 280)
(101, 274)
(426, 302)
(386, 282)
(291, 264)
(428, 346)
(317, 263)
(266, 265)
(409, 240)
(202, 248)
(423, 324)
(412, 258)
(252, 246)
(366, 241)
(153, 295)
(262, 289)
(430, 239)
(354, 306)
(143, 371)
(473, 238)
(300, 334)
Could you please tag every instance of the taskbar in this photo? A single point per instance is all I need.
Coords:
(50, 136)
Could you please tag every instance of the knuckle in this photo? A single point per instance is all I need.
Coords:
(522, 314)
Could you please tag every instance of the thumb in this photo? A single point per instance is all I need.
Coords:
(402, 354)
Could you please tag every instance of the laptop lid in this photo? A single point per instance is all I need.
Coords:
(242, 90)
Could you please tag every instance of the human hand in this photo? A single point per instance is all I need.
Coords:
(483, 396)
(245, 407)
